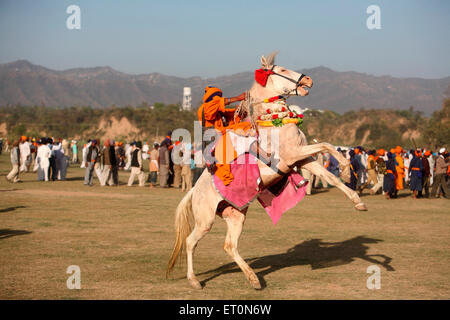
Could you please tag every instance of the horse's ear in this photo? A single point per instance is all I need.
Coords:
(268, 62)
(264, 62)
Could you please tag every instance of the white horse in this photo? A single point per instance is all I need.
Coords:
(203, 202)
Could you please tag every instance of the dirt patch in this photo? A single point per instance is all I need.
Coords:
(112, 128)
(411, 134)
(3, 129)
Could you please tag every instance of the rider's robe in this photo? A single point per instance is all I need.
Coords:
(400, 169)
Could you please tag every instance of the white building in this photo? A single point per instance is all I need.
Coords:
(187, 98)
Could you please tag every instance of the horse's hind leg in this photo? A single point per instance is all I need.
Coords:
(235, 221)
(200, 230)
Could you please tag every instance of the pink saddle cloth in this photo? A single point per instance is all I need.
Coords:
(245, 188)
(291, 194)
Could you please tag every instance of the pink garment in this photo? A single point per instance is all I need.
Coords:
(275, 206)
(244, 188)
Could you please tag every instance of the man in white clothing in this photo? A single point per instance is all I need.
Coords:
(84, 154)
(128, 150)
(42, 159)
(25, 152)
(145, 150)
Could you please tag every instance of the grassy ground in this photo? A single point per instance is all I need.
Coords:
(121, 239)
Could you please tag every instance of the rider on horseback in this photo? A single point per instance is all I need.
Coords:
(214, 113)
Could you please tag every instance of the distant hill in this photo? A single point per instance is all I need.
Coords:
(22, 82)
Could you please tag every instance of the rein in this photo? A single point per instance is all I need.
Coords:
(297, 82)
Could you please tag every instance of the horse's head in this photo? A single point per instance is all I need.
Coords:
(280, 80)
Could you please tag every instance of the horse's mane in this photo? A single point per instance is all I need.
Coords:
(270, 59)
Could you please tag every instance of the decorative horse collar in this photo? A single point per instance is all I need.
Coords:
(279, 114)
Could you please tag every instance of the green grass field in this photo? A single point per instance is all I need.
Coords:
(121, 238)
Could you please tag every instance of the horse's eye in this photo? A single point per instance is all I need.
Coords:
(283, 70)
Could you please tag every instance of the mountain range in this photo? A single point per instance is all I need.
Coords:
(22, 82)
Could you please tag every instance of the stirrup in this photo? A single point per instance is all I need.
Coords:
(301, 184)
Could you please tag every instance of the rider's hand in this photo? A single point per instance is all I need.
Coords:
(242, 96)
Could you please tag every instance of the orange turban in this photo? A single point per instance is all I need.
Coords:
(23, 138)
(392, 150)
(356, 150)
(381, 152)
(398, 149)
(427, 153)
(210, 92)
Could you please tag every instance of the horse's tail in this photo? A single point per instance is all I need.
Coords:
(182, 229)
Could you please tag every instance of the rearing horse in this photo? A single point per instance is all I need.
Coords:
(203, 202)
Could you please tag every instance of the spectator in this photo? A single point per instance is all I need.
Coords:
(361, 157)
(416, 172)
(400, 169)
(371, 171)
(42, 160)
(128, 149)
(136, 165)
(13, 175)
(163, 164)
(426, 175)
(389, 178)
(109, 171)
(333, 166)
(25, 152)
(354, 169)
(84, 153)
(74, 151)
(177, 167)
(186, 176)
(439, 182)
(92, 156)
(53, 171)
(380, 170)
(154, 165)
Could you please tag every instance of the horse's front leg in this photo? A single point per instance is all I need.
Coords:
(317, 169)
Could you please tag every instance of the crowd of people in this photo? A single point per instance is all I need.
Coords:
(424, 172)
(50, 158)
(390, 171)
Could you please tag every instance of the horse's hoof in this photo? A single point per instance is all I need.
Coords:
(256, 285)
(254, 281)
(195, 284)
(361, 207)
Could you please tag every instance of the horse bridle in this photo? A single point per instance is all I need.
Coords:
(297, 83)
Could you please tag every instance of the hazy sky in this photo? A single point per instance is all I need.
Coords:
(213, 38)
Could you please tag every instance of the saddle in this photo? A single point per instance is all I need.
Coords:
(237, 179)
